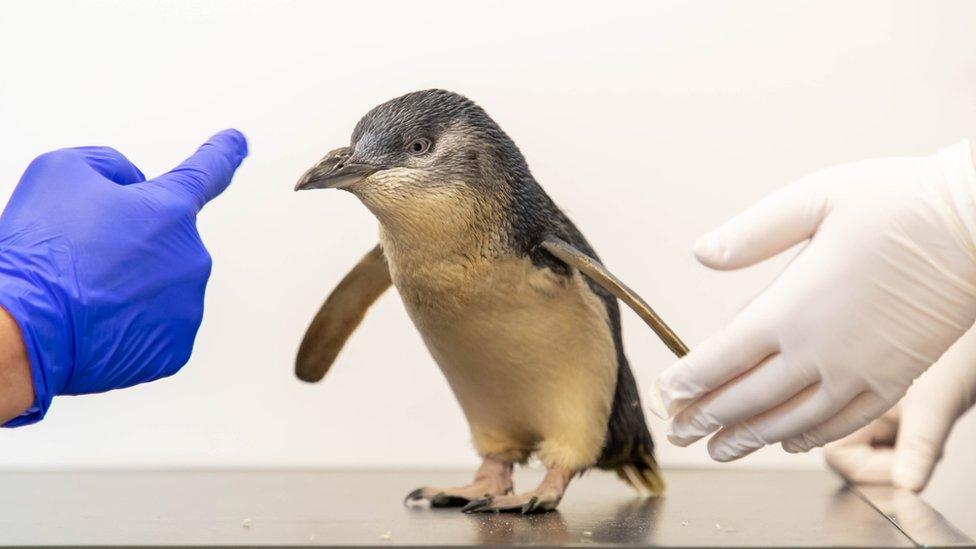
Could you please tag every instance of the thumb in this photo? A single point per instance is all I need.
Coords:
(929, 411)
(208, 172)
(772, 225)
(921, 438)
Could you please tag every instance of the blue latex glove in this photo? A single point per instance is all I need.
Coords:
(104, 271)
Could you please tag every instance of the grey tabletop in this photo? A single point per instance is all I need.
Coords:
(225, 508)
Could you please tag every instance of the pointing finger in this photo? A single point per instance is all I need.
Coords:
(208, 172)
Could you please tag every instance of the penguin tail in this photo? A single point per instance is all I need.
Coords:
(642, 473)
(629, 448)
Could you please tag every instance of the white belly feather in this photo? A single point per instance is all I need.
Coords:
(529, 355)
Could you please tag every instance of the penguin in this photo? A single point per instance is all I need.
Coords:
(510, 299)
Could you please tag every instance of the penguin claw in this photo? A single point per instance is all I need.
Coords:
(413, 496)
(479, 505)
(531, 506)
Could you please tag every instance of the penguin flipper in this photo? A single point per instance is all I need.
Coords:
(599, 274)
(341, 313)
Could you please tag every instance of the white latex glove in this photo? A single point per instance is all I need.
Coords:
(886, 283)
(903, 446)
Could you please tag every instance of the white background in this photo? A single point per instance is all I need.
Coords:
(649, 123)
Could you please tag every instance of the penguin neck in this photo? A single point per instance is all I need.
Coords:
(439, 235)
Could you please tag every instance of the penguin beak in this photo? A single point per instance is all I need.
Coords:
(337, 170)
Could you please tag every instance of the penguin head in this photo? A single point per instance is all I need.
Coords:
(422, 154)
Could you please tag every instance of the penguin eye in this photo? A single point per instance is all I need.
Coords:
(419, 146)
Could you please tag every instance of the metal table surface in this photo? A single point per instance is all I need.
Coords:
(222, 508)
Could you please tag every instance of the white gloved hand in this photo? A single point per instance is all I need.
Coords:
(903, 446)
(885, 285)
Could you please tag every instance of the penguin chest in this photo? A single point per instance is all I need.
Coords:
(528, 353)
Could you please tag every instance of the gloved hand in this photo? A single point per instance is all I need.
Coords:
(103, 271)
(886, 283)
(903, 446)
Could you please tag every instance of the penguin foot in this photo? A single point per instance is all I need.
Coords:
(450, 497)
(527, 504)
(494, 478)
(543, 499)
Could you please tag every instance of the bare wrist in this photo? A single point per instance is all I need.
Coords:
(16, 387)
